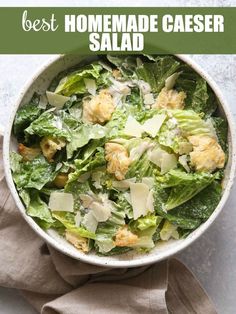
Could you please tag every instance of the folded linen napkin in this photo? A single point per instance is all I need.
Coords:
(54, 283)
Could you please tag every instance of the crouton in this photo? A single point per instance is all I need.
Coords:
(99, 108)
(118, 160)
(207, 154)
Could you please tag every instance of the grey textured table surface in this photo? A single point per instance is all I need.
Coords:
(212, 257)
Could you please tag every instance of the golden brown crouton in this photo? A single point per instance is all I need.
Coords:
(116, 74)
(170, 99)
(78, 241)
(61, 180)
(207, 154)
(50, 146)
(118, 160)
(125, 237)
(99, 108)
(28, 153)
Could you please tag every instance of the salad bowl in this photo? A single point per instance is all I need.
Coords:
(39, 83)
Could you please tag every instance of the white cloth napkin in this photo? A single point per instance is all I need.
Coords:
(54, 283)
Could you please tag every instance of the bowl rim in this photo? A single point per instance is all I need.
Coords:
(146, 259)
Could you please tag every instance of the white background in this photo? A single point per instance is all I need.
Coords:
(213, 257)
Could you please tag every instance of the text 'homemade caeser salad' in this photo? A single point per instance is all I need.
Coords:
(121, 153)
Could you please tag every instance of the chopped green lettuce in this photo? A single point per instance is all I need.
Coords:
(160, 198)
(37, 208)
(81, 136)
(221, 128)
(25, 115)
(200, 97)
(175, 198)
(67, 219)
(191, 123)
(106, 231)
(48, 124)
(83, 166)
(156, 73)
(143, 223)
(140, 168)
(201, 205)
(32, 174)
(73, 83)
(183, 192)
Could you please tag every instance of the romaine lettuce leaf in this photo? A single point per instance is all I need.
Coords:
(124, 205)
(200, 97)
(68, 120)
(183, 192)
(73, 83)
(67, 219)
(32, 174)
(76, 188)
(116, 251)
(143, 223)
(25, 115)
(169, 231)
(155, 73)
(82, 166)
(175, 177)
(221, 128)
(202, 205)
(161, 196)
(106, 231)
(171, 138)
(81, 136)
(117, 123)
(140, 168)
(191, 123)
(37, 208)
(48, 124)
(126, 64)
(15, 162)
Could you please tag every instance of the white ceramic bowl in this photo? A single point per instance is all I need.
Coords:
(39, 83)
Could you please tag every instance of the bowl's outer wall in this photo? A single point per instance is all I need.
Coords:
(39, 83)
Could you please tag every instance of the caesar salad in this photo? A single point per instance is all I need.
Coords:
(121, 153)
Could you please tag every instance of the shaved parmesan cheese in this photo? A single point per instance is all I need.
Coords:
(153, 125)
(133, 127)
(169, 162)
(156, 156)
(56, 100)
(144, 87)
(120, 87)
(150, 202)
(148, 99)
(101, 212)
(170, 81)
(86, 200)
(139, 194)
(78, 219)
(184, 163)
(96, 178)
(163, 160)
(91, 86)
(90, 222)
(60, 201)
(123, 184)
(149, 181)
(138, 151)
